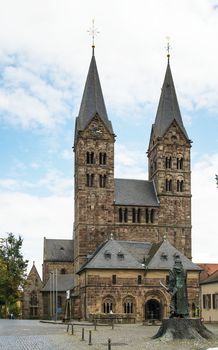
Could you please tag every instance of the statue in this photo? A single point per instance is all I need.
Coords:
(178, 290)
(179, 325)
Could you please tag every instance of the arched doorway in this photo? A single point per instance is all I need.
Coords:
(153, 310)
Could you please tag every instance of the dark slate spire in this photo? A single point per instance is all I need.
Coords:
(168, 108)
(92, 100)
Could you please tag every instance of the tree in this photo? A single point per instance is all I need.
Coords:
(216, 177)
(12, 272)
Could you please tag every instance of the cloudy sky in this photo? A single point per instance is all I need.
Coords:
(45, 51)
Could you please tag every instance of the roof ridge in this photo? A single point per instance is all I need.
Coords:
(123, 178)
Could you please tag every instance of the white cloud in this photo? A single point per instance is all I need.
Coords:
(30, 100)
(34, 218)
(130, 54)
(130, 162)
(204, 209)
(53, 181)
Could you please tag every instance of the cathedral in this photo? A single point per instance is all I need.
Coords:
(127, 232)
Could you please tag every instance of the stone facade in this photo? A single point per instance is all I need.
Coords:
(136, 294)
(162, 212)
(32, 306)
(169, 160)
(62, 267)
(94, 189)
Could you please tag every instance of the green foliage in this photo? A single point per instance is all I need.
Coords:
(12, 272)
(216, 177)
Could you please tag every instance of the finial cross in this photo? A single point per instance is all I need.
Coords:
(93, 32)
(168, 47)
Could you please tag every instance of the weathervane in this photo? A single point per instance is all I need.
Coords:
(168, 47)
(93, 32)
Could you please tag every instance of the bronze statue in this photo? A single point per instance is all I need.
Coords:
(178, 289)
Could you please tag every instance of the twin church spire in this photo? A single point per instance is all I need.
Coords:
(168, 108)
(93, 103)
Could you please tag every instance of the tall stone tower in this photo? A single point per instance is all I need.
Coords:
(94, 170)
(169, 167)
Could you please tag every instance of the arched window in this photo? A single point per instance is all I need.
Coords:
(63, 271)
(179, 185)
(102, 158)
(149, 216)
(120, 215)
(139, 215)
(136, 215)
(90, 157)
(152, 216)
(125, 215)
(102, 180)
(128, 305)
(146, 216)
(168, 185)
(33, 298)
(179, 163)
(108, 305)
(89, 180)
(133, 215)
(168, 162)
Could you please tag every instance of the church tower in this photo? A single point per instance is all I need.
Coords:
(169, 168)
(94, 170)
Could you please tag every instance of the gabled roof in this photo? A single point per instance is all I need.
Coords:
(34, 272)
(168, 108)
(134, 255)
(58, 250)
(135, 192)
(162, 257)
(92, 100)
(113, 255)
(64, 283)
(208, 269)
(211, 279)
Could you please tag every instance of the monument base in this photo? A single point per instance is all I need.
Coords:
(183, 328)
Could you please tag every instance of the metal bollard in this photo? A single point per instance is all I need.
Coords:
(109, 344)
(95, 326)
(90, 337)
(83, 334)
(72, 330)
(112, 323)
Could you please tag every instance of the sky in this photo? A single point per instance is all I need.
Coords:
(45, 51)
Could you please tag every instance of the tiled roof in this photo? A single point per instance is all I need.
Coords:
(163, 256)
(211, 279)
(168, 108)
(136, 255)
(58, 250)
(92, 100)
(113, 255)
(135, 192)
(208, 269)
(64, 282)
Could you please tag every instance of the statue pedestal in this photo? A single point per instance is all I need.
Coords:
(183, 328)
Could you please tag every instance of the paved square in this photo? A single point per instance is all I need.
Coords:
(33, 335)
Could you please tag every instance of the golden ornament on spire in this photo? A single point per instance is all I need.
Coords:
(93, 32)
(168, 47)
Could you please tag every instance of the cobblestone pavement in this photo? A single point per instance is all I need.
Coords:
(33, 335)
